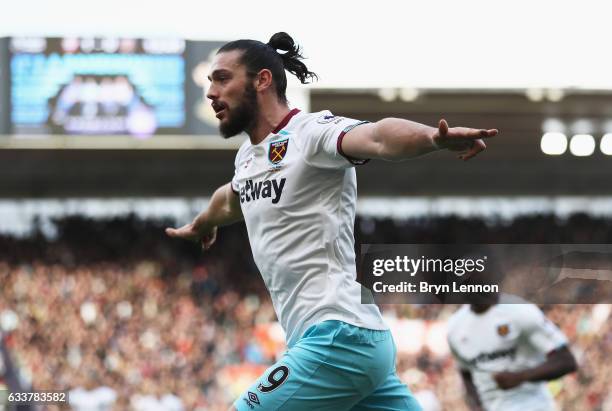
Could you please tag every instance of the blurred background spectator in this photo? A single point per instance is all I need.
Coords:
(127, 319)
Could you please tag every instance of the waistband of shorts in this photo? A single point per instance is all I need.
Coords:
(345, 332)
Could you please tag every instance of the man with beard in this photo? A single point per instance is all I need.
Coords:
(295, 187)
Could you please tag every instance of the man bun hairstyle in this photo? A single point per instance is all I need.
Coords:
(279, 54)
(292, 56)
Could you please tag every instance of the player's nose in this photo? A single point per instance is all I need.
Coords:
(212, 93)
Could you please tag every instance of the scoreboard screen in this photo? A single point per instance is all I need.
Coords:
(5, 120)
(97, 86)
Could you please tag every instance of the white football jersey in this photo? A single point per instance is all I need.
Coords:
(298, 195)
(506, 337)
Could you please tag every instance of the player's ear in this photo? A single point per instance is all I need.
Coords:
(263, 80)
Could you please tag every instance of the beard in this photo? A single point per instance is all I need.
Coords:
(243, 116)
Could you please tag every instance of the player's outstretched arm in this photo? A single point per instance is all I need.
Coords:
(397, 139)
(223, 209)
(557, 364)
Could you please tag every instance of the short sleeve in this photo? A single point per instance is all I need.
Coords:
(322, 140)
(461, 363)
(539, 331)
(451, 337)
(234, 183)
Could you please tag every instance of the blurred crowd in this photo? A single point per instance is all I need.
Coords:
(128, 319)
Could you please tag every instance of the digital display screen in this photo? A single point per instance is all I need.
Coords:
(97, 86)
(5, 119)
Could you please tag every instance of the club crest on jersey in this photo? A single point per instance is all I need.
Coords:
(277, 151)
(503, 330)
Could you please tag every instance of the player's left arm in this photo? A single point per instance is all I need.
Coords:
(558, 363)
(398, 139)
(545, 337)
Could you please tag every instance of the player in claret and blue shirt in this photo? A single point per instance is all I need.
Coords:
(295, 187)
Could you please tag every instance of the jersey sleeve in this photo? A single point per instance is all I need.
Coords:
(461, 362)
(539, 331)
(322, 141)
(234, 183)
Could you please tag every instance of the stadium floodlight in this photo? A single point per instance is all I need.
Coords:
(408, 94)
(605, 145)
(555, 94)
(553, 143)
(582, 145)
(387, 94)
(535, 94)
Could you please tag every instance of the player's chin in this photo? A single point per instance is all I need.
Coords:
(222, 115)
(228, 128)
(227, 119)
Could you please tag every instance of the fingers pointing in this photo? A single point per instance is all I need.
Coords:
(476, 148)
(482, 133)
(469, 141)
(489, 133)
(464, 132)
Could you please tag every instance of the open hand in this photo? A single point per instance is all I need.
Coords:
(188, 232)
(467, 141)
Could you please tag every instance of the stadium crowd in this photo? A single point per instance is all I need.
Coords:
(127, 319)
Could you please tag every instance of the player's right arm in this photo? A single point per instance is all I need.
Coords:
(471, 393)
(223, 209)
(397, 139)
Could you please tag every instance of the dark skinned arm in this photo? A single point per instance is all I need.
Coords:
(472, 398)
(558, 363)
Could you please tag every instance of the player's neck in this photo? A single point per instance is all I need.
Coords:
(480, 308)
(270, 115)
